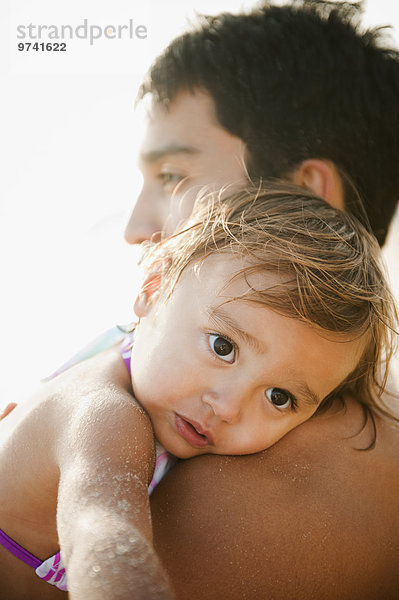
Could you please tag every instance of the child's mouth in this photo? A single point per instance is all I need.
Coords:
(193, 433)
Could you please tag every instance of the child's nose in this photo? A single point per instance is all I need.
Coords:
(226, 405)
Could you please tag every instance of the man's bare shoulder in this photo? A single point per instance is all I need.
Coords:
(315, 516)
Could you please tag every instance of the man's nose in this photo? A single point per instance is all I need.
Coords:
(144, 221)
(226, 404)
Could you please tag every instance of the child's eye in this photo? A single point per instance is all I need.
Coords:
(280, 398)
(222, 347)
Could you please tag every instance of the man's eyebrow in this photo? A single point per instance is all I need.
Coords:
(170, 150)
(222, 319)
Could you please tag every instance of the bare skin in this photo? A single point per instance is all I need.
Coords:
(89, 441)
(310, 518)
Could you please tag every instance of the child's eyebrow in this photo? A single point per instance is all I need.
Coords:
(222, 319)
(307, 396)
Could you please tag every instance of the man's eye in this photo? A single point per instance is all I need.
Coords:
(222, 347)
(280, 398)
(170, 180)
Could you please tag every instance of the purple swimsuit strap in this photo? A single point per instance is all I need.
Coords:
(18, 551)
(126, 350)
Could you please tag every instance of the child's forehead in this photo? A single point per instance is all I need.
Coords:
(227, 275)
(230, 298)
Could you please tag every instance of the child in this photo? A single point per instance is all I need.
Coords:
(266, 307)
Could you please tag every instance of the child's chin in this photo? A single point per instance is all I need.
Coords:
(190, 452)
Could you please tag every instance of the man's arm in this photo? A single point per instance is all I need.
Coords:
(311, 518)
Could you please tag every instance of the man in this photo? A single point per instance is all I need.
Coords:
(293, 92)
(290, 92)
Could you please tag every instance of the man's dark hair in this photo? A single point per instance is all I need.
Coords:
(296, 82)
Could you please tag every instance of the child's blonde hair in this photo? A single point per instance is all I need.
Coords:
(329, 266)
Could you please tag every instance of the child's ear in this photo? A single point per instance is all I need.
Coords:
(149, 289)
(321, 177)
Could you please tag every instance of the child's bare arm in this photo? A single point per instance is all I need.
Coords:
(106, 458)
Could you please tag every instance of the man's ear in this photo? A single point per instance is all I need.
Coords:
(149, 289)
(321, 177)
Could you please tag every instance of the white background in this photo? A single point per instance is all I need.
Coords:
(68, 174)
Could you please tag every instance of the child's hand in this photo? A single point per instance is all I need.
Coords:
(7, 409)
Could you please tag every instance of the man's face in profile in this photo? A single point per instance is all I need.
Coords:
(183, 150)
